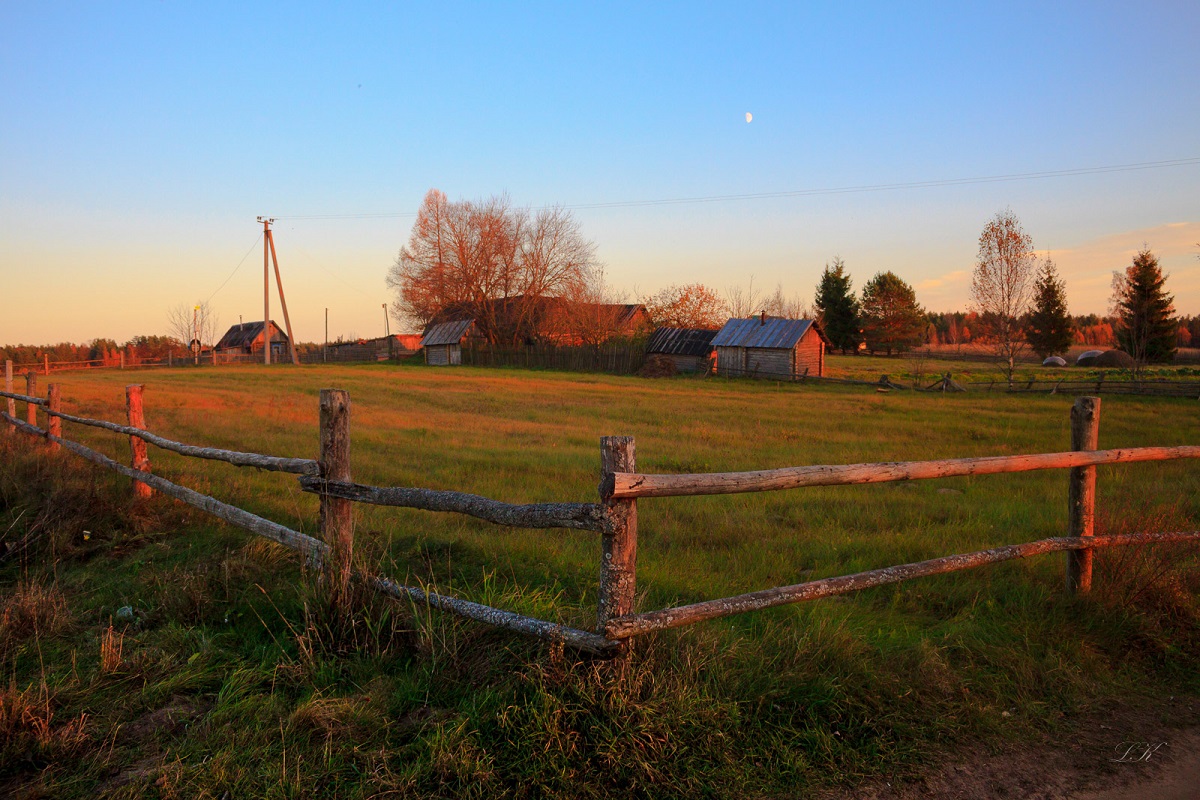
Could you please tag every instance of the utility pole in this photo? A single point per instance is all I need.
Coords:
(387, 325)
(266, 291)
(269, 245)
(325, 349)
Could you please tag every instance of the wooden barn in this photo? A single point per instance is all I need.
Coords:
(443, 342)
(689, 348)
(248, 337)
(771, 348)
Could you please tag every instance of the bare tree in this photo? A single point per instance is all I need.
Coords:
(1002, 285)
(193, 325)
(479, 257)
(779, 305)
(742, 302)
(591, 312)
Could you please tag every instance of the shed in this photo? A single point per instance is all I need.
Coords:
(689, 348)
(443, 342)
(771, 348)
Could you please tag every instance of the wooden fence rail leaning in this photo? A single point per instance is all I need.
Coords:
(614, 518)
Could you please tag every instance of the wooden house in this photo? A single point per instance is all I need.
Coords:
(442, 342)
(247, 337)
(533, 319)
(784, 349)
(690, 349)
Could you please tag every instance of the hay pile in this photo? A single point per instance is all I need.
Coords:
(658, 366)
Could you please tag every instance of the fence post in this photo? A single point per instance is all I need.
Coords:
(47, 362)
(337, 514)
(1085, 435)
(618, 555)
(122, 359)
(135, 412)
(30, 391)
(53, 423)
(8, 387)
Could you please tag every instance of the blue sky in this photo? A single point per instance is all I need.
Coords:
(139, 141)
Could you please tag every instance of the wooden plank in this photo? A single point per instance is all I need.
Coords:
(1081, 493)
(337, 513)
(618, 559)
(311, 547)
(637, 624)
(580, 516)
(628, 484)
(140, 459)
(302, 466)
(572, 637)
(30, 391)
(8, 390)
(53, 423)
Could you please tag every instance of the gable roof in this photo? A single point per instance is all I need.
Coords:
(450, 332)
(773, 333)
(681, 341)
(244, 334)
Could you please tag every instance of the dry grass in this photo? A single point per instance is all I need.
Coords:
(29, 732)
(112, 647)
(30, 609)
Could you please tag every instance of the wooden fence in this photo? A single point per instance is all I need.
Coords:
(613, 518)
(618, 357)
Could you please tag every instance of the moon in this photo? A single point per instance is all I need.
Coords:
(749, 116)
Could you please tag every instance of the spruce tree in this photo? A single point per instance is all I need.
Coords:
(1146, 324)
(837, 308)
(1050, 328)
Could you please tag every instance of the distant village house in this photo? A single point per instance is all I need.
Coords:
(247, 337)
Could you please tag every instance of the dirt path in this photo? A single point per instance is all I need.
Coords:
(1150, 751)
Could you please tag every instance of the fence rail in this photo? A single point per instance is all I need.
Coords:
(614, 517)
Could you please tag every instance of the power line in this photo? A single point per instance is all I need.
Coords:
(878, 187)
(235, 269)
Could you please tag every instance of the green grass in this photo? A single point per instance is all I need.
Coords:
(281, 698)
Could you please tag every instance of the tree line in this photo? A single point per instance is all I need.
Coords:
(487, 259)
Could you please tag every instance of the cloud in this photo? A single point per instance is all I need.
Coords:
(1088, 267)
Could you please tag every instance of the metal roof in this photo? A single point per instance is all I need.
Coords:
(450, 332)
(681, 341)
(244, 334)
(754, 332)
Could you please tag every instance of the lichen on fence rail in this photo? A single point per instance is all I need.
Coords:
(299, 466)
(37, 401)
(578, 516)
(637, 624)
(512, 621)
(628, 484)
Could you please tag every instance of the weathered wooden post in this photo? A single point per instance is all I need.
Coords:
(8, 387)
(337, 514)
(618, 554)
(122, 359)
(1085, 435)
(46, 356)
(136, 414)
(30, 391)
(53, 423)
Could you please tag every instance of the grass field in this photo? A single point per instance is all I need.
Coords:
(234, 678)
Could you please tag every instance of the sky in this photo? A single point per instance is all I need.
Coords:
(140, 141)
